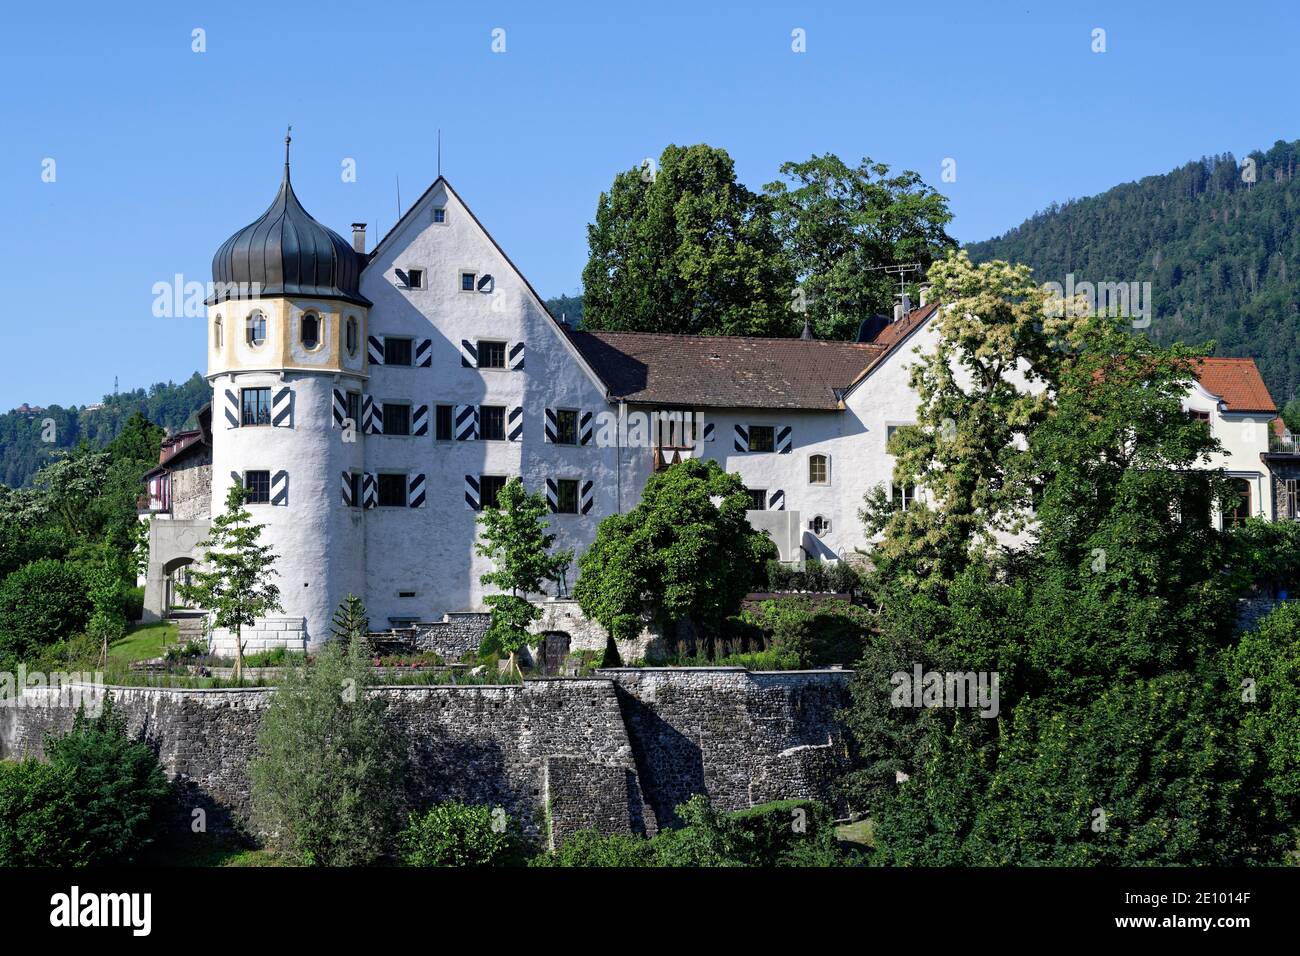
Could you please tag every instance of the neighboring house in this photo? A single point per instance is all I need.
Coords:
(374, 402)
(1283, 463)
(177, 504)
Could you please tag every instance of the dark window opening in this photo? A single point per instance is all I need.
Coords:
(258, 486)
(492, 422)
(762, 438)
(492, 355)
(904, 496)
(489, 487)
(397, 419)
(467, 282)
(392, 491)
(310, 331)
(566, 427)
(566, 496)
(255, 406)
(354, 489)
(442, 422)
(397, 351)
(757, 499)
(354, 408)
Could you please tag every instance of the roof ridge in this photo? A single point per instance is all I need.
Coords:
(727, 338)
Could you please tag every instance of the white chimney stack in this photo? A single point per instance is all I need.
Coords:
(359, 237)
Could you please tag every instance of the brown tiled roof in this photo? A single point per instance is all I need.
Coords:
(895, 332)
(1237, 382)
(724, 371)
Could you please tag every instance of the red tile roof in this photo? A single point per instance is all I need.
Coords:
(724, 371)
(895, 332)
(1237, 382)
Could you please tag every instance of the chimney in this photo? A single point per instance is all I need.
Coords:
(359, 237)
(898, 311)
(925, 295)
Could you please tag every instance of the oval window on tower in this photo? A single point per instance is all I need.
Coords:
(310, 330)
(352, 335)
(216, 332)
(256, 329)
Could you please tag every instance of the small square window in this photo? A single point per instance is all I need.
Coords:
(757, 499)
(566, 426)
(492, 422)
(258, 486)
(489, 487)
(439, 215)
(397, 351)
(762, 438)
(397, 419)
(414, 278)
(566, 496)
(255, 406)
(467, 281)
(904, 496)
(392, 491)
(491, 355)
(442, 422)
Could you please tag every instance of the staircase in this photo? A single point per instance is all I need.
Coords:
(189, 625)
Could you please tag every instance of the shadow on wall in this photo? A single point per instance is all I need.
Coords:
(669, 763)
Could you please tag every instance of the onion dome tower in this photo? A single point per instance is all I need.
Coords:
(286, 349)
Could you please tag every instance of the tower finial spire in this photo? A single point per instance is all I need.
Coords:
(287, 140)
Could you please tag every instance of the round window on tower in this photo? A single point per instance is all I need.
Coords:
(256, 329)
(310, 331)
(216, 333)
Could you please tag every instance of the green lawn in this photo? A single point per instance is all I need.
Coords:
(857, 832)
(143, 642)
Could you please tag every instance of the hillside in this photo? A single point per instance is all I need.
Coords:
(22, 452)
(1222, 255)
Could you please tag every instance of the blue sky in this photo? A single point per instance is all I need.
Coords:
(162, 152)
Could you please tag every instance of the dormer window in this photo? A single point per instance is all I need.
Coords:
(256, 329)
(310, 331)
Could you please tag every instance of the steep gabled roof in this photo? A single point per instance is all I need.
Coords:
(1237, 383)
(724, 371)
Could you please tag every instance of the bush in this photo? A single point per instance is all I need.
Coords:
(133, 604)
(115, 783)
(39, 819)
(770, 832)
(818, 632)
(838, 577)
(40, 604)
(591, 848)
(454, 834)
(326, 775)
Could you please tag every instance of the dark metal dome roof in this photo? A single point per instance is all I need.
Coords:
(287, 252)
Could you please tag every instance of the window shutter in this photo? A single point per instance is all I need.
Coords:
(466, 422)
(708, 431)
(784, 439)
(347, 489)
(376, 349)
(340, 408)
(281, 405)
(552, 495)
(372, 416)
(515, 424)
(420, 420)
(424, 353)
(552, 426)
(468, 354)
(587, 498)
(515, 356)
(232, 408)
(585, 428)
(280, 488)
(776, 500)
(369, 490)
(471, 492)
(415, 491)
(742, 438)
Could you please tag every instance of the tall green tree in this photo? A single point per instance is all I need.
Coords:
(351, 623)
(234, 582)
(686, 550)
(326, 778)
(840, 225)
(684, 247)
(514, 536)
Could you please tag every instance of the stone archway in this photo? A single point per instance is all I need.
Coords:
(173, 545)
(176, 573)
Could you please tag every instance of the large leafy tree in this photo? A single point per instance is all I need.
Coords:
(841, 225)
(684, 247)
(234, 581)
(686, 550)
(514, 537)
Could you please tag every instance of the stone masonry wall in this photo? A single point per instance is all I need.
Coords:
(616, 752)
(454, 636)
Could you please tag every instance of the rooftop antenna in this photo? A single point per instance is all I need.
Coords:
(901, 271)
(399, 195)
(288, 138)
(440, 154)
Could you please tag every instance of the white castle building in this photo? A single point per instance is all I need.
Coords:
(374, 401)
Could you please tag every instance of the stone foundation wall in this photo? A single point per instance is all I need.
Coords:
(268, 634)
(587, 635)
(456, 635)
(616, 752)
